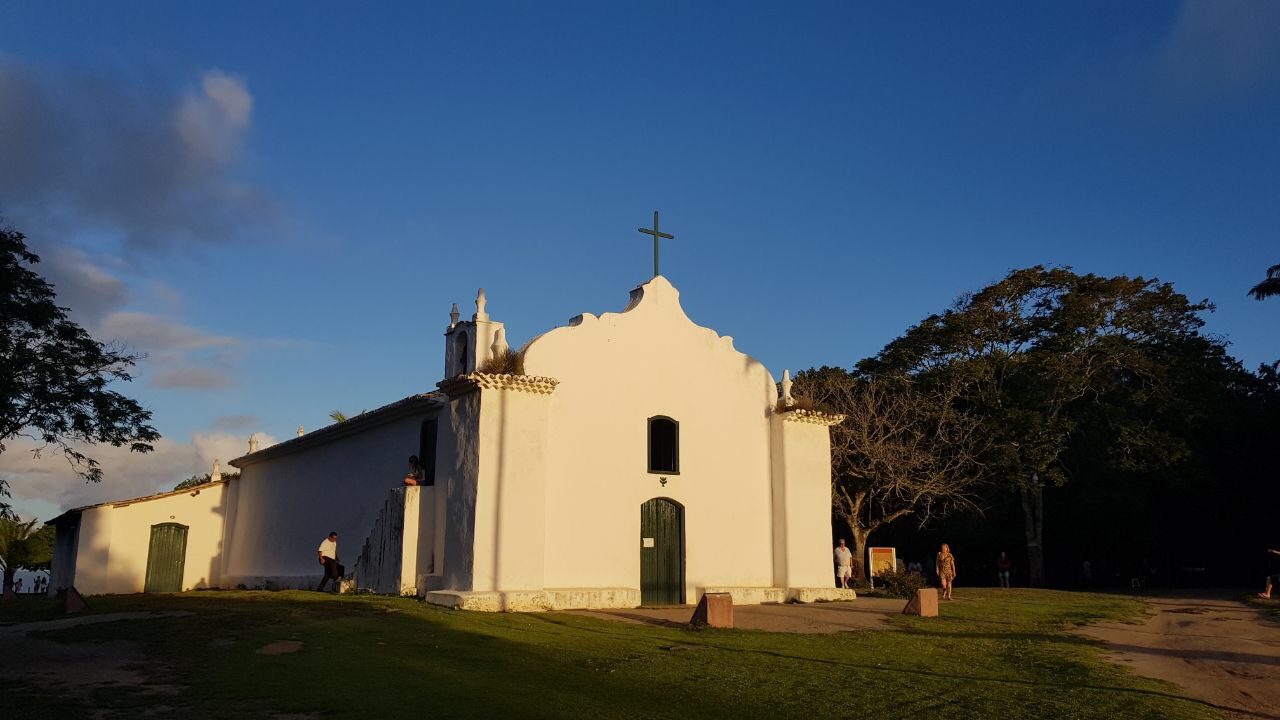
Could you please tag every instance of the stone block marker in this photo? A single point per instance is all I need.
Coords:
(714, 610)
(71, 600)
(924, 604)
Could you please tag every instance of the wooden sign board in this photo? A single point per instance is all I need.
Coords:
(881, 560)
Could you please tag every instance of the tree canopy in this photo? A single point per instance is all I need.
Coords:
(902, 450)
(1036, 353)
(55, 379)
(23, 545)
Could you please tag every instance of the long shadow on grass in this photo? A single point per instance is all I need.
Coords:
(1217, 655)
(391, 658)
(934, 674)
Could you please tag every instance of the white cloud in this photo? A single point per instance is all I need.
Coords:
(178, 356)
(191, 378)
(212, 122)
(88, 151)
(158, 333)
(126, 474)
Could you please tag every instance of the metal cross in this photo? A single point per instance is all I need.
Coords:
(654, 232)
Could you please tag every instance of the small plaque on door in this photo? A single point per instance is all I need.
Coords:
(646, 542)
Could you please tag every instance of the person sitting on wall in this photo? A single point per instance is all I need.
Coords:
(415, 474)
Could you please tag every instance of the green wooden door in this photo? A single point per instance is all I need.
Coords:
(166, 558)
(661, 553)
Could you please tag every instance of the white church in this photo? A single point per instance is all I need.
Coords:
(640, 459)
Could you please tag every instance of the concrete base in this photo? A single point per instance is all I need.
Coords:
(808, 595)
(537, 600)
(751, 595)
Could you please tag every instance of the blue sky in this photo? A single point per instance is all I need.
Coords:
(278, 202)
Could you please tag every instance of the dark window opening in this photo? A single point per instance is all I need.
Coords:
(462, 353)
(664, 445)
(427, 451)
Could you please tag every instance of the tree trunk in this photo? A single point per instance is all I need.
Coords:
(857, 545)
(9, 573)
(1033, 526)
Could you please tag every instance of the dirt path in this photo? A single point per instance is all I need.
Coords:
(860, 614)
(1219, 650)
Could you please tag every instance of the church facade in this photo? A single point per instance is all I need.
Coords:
(638, 458)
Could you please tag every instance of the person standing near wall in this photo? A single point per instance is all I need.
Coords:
(328, 552)
(844, 564)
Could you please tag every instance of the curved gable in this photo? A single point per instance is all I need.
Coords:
(651, 337)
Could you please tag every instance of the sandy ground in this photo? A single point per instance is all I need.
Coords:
(860, 614)
(1217, 649)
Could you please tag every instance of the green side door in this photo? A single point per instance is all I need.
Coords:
(166, 558)
(661, 553)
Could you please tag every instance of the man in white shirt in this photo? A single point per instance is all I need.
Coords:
(844, 564)
(328, 552)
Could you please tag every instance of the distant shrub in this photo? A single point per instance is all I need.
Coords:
(506, 363)
(900, 584)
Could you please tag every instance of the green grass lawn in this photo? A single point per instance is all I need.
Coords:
(1000, 654)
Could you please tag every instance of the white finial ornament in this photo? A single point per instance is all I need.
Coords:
(481, 301)
(253, 442)
(453, 316)
(216, 475)
(787, 400)
(499, 346)
(300, 431)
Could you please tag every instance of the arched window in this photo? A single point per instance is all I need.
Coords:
(462, 353)
(427, 451)
(664, 445)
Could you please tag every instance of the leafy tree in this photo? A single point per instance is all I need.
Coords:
(23, 545)
(1268, 287)
(1037, 353)
(902, 451)
(54, 377)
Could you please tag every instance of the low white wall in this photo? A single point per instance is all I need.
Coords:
(388, 559)
(113, 541)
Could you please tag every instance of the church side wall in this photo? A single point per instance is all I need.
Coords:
(617, 371)
(285, 505)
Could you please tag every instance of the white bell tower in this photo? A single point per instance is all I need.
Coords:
(468, 343)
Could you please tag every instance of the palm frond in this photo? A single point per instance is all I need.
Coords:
(1269, 287)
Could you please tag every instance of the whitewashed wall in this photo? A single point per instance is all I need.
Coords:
(113, 542)
(615, 372)
(287, 501)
